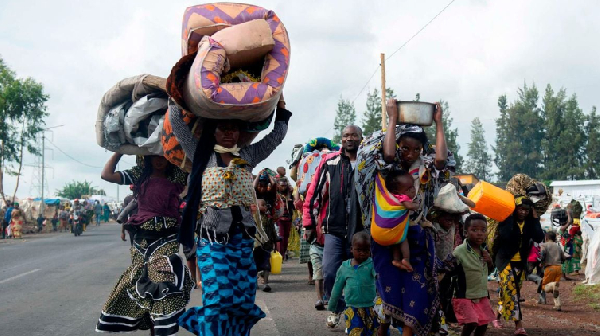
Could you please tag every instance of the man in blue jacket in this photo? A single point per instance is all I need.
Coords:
(7, 218)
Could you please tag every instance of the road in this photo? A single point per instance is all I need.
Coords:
(56, 284)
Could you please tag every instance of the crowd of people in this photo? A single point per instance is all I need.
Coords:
(63, 219)
(380, 251)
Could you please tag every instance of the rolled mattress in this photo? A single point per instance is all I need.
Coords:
(129, 92)
(226, 39)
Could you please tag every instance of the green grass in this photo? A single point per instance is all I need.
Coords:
(591, 294)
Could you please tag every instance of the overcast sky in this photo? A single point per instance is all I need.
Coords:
(472, 53)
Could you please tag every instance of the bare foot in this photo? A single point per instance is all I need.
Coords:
(403, 265)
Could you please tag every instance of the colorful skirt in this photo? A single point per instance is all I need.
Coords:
(510, 281)
(228, 289)
(571, 265)
(294, 242)
(361, 321)
(154, 290)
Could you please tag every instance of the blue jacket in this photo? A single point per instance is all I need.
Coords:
(8, 214)
(358, 285)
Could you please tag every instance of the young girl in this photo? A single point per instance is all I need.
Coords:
(265, 223)
(356, 278)
(471, 304)
(401, 185)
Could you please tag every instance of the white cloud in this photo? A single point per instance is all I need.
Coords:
(471, 54)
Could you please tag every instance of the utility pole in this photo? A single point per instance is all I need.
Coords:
(43, 161)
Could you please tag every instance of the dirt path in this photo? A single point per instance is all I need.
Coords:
(577, 317)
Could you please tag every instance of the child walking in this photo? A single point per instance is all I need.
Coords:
(552, 259)
(356, 278)
(265, 223)
(471, 302)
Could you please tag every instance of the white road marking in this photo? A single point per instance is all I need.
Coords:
(19, 276)
(266, 326)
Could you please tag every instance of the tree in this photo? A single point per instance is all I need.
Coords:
(76, 190)
(592, 132)
(22, 113)
(479, 161)
(501, 148)
(344, 115)
(553, 107)
(372, 117)
(519, 136)
(450, 133)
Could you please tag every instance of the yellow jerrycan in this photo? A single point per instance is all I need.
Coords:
(276, 261)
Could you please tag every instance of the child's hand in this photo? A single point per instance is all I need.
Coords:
(486, 256)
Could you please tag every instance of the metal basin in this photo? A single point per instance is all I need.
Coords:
(415, 113)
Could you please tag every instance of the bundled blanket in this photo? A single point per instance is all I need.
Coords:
(235, 62)
(130, 116)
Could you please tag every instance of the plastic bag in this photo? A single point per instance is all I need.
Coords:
(448, 200)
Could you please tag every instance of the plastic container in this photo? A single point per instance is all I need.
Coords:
(491, 201)
(415, 113)
(276, 261)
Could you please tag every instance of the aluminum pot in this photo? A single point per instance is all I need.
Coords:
(415, 113)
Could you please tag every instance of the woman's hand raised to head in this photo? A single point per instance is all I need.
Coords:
(391, 107)
(108, 173)
(437, 115)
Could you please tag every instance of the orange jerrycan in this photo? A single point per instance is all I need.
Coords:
(491, 201)
(276, 261)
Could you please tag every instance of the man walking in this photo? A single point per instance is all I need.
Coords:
(6, 218)
(332, 201)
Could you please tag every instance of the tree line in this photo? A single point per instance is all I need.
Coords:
(549, 138)
(22, 113)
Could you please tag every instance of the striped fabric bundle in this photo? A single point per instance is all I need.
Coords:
(389, 220)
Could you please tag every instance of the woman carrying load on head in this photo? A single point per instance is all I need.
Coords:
(410, 298)
(220, 195)
(155, 289)
(514, 238)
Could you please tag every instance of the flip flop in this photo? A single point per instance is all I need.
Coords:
(520, 331)
(497, 324)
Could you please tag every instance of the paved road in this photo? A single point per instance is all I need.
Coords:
(56, 284)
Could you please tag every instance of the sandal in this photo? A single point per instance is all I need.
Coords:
(521, 331)
(497, 324)
(310, 282)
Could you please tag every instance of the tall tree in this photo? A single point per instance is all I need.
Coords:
(371, 120)
(344, 115)
(501, 148)
(479, 161)
(22, 113)
(592, 132)
(77, 189)
(451, 134)
(553, 108)
(573, 139)
(519, 136)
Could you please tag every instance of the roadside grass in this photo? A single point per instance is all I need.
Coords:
(589, 294)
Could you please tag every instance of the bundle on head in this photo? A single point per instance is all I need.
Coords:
(245, 45)
(523, 185)
(234, 66)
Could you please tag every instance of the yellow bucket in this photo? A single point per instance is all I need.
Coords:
(491, 201)
(276, 261)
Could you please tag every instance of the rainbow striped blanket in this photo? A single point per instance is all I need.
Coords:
(389, 219)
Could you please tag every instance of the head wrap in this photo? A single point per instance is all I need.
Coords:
(406, 128)
(523, 200)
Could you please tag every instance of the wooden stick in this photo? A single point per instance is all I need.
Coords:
(383, 110)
